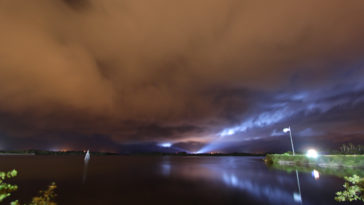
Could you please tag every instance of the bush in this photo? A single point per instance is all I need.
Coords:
(45, 198)
(354, 190)
(6, 189)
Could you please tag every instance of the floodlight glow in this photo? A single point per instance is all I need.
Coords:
(316, 174)
(167, 144)
(311, 153)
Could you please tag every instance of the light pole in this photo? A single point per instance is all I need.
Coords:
(285, 130)
(296, 196)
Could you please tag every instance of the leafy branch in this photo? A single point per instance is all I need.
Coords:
(45, 197)
(354, 190)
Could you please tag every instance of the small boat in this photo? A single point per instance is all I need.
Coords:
(87, 156)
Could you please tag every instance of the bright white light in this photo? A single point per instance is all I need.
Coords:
(285, 130)
(228, 132)
(311, 153)
(167, 144)
(297, 197)
(316, 174)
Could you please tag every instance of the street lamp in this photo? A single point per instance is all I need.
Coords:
(288, 129)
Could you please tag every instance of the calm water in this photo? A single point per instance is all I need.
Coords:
(167, 180)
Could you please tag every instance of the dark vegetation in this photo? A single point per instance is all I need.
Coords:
(351, 149)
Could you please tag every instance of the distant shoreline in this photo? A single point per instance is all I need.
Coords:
(197, 155)
(50, 153)
(81, 153)
(17, 154)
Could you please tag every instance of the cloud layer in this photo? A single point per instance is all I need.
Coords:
(170, 70)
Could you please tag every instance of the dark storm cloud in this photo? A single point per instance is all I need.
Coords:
(170, 70)
(332, 112)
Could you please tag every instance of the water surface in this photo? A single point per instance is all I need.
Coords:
(167, 180)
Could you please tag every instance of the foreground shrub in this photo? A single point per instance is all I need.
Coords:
(5, 188)
(45, 197)
(354, 190)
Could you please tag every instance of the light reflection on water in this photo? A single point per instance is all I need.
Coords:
(85, 169)
(168, 180)
(248, 176)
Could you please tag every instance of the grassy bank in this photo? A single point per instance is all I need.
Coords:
(334, 171)
(321, 161)
(337, 165)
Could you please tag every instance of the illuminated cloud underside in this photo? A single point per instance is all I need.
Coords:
(104, 74)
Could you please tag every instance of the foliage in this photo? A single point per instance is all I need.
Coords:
(5, 188)
(289, 153)
(354, 189)
(351, 149)
(45, 198)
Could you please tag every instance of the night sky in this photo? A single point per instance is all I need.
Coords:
(194, 75)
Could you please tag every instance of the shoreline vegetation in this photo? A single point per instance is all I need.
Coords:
(345, 161)
(350, 167)
(324, 161)
(336, 165)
